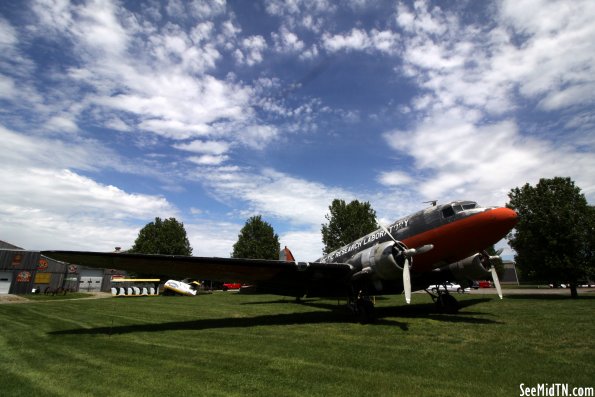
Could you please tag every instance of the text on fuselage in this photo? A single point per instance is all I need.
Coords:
(369, 239)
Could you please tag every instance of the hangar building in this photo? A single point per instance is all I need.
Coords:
(22, 272)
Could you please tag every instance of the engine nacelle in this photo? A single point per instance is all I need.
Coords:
(469, 268)
(382, 260)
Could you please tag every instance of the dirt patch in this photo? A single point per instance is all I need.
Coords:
(8, 298)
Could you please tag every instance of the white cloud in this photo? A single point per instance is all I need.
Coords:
(61, 123)
(256, 136)
(272, 193)
(300, 202)
(7, 87)
(253, 47)
(8, 35)
(394, 178)
(466, 141)
(75, 153)
(155, 75)
(484, 162)
(59, 209)
(116, 123)
(212, 238)
(101, 28)
(385, 41)
(207, 9)
(306, 14)
(286, 41)
(174, 128)
(208, 159)
(357, 39)
(209, 147)
(304, 245)
(45, 205)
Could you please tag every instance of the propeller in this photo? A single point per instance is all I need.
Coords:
(493, 270)
(407, 280)
(408, 254)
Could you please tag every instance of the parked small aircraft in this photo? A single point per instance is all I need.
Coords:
(175, 287)
(448, 242)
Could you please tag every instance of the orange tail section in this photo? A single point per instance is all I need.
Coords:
(286, 255)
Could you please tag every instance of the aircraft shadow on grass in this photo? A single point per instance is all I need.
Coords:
(553, 297)
(333, 314)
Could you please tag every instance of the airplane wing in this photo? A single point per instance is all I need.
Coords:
(270, 274)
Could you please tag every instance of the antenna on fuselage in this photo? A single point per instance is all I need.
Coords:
(433, 202)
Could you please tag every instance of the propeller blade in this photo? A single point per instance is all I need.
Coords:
(492, 257)
(406, 266)
(496, 281)
(407, 281)
(423, 249)
(386, 231)
(495, 278)
(416, 251)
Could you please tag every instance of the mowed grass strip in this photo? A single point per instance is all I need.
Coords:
(229, 344)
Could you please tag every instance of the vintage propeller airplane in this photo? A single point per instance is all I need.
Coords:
(448, 242)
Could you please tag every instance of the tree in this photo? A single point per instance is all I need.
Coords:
(346, 223)
(167, 237)
(554, 237)
(257, 240)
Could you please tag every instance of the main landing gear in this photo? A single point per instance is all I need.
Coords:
(445, 302)
(363, 307)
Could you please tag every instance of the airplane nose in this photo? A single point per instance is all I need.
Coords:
(506, 217)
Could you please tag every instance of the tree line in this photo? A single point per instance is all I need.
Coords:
(554, 240)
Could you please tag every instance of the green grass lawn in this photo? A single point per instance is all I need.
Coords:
(229, 344)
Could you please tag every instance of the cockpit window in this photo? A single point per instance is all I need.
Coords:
(469, 205)
(457, 207)
(447, 212)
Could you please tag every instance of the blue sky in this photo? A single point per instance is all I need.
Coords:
(115, 112)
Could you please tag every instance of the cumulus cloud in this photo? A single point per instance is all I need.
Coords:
(62, 124)
(305, 245)
(156, 74)
(394, 178)
(286, 41)
(208, 159)
(467, 140)
(306, 14)
(46, 206)
(270, 192)
(212, 238)
(384, 41)
(253, 47)
(210, 147)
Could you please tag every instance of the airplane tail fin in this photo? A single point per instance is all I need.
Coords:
(286, 255)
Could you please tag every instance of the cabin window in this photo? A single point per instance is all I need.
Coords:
(448, 212)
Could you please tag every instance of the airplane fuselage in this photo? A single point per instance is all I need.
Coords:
(457, 230)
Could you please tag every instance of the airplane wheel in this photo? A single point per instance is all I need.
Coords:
(446, 303)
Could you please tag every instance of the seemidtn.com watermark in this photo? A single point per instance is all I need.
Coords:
(555, 390)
